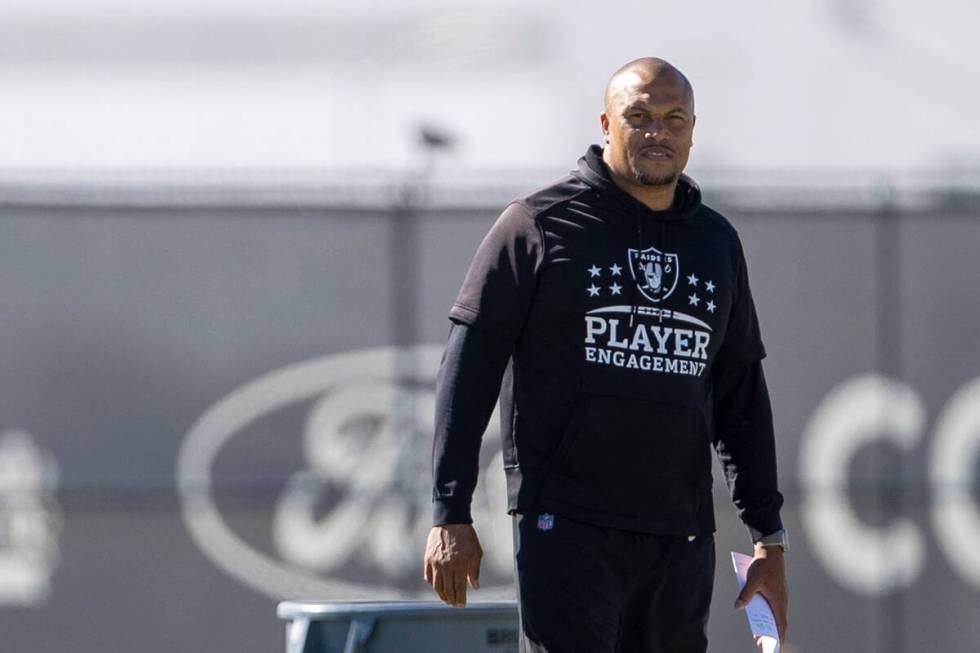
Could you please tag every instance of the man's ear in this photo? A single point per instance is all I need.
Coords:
(604, 124)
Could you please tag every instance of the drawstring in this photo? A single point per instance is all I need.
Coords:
(664, 249)
(639, 253)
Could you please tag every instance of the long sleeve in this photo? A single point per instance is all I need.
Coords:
(467, 386)
(743, 431)
(488, 317)
(745, 443)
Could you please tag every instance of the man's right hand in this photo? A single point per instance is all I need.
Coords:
(452, 556)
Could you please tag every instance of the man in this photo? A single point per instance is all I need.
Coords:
(622, 304)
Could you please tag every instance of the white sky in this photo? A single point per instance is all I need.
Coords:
(806, 85)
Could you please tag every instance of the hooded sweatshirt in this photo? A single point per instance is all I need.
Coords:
(634, 347)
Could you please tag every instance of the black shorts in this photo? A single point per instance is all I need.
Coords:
(588, 589)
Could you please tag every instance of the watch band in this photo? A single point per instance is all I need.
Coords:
(780, 538)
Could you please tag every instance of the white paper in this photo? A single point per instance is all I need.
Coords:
(761, 620)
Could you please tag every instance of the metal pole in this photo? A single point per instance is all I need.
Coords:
(890, 480)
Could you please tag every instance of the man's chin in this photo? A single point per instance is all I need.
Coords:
(645, 179)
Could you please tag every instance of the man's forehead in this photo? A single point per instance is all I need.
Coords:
(664, 87)
(655, 96)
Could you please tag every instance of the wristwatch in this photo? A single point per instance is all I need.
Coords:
(780, 538)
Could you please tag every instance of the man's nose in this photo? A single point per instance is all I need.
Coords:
(654, 131)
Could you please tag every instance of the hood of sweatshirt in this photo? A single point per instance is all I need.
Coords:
(594, 172)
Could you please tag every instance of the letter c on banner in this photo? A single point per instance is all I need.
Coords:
(859, 411)
(956, 446)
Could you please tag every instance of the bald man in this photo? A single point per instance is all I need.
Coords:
(618, 305)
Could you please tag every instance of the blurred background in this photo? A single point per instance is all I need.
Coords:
(230, 233)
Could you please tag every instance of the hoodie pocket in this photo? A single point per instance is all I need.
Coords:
(634, 458)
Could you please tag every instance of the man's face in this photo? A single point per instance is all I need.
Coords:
(648, 125)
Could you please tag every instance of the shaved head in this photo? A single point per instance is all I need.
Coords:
(642, 71)
(648, 125)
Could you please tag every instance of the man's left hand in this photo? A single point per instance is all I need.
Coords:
(767, 576)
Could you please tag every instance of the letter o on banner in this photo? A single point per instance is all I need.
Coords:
(857, 412)
(954, 455)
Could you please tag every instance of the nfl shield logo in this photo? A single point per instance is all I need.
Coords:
(654, 272)
(546, 522)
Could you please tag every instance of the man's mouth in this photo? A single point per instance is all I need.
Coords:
(656, 153)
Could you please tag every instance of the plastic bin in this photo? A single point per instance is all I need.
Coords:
(399, 627)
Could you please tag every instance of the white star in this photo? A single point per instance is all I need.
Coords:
(710, 286)
(593, 290)
(615, 288)
(711, 307)
(616, 270)
(693, 299)
(594, 270)
(692, 280)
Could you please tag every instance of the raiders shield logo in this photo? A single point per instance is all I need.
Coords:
(654, 272)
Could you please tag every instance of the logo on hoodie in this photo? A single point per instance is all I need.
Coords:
(648, 338)
(654, 272)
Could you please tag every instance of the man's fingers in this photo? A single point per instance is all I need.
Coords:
(448, 589)
(439, 584)
(427, 571)
(473, 573)
(459, 589)
(746, 595)
(435, 580)
(779, 604)
(781, 622)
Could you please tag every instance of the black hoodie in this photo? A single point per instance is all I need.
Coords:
(634, 347)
